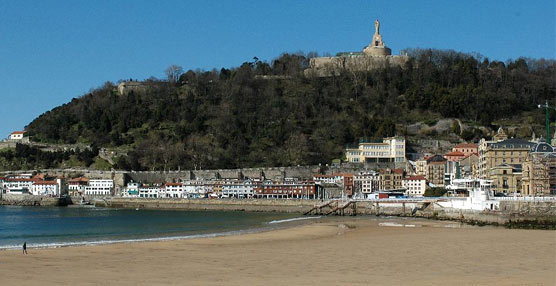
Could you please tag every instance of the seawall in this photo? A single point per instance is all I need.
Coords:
(516, 214)
(30, 200)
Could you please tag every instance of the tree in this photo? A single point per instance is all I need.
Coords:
(173, 73)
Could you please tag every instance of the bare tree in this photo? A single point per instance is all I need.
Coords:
(173, 72)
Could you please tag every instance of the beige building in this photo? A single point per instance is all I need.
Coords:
(539, 171)
(436, 169)
(506, 179)
(469, 167)
(391, 149)
(391, 179)
(495, 153)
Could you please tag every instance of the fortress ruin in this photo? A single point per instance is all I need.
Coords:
(375, 55)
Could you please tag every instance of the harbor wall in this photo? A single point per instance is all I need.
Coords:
(543, 213)
(30, 200)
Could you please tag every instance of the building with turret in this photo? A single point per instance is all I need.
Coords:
(375, 55)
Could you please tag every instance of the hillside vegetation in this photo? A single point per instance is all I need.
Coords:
(262, 114)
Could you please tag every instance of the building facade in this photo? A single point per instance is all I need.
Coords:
(391, 179)
(539, 171)
(415, 186)
(494, 153)
(390, 149)
(506, 179)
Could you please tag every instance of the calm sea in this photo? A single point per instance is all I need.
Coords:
(65, 226)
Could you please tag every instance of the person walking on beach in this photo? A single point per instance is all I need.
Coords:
(25, 247)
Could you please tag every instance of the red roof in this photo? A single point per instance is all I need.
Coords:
(467, 145)
(78, 180)
(471, 154)
(416, 178)
(46, 183)
(18, 132)
(455, 153)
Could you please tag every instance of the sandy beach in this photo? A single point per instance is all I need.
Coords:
(343, 251)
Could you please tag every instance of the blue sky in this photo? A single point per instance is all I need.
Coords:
(52, 51)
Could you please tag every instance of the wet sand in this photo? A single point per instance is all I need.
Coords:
(331, 252)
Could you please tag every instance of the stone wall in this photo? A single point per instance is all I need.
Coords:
(30, 200)
(328, 66)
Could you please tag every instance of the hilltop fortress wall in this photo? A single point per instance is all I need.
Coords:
(375, 56)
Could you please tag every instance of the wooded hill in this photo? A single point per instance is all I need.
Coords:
(262, 114)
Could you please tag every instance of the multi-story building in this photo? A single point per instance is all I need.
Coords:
(391, 179)
(239, 189)
(539, 171)
(366, 182)
(506, 179)
(286, 189)
(415, 186)
(99, 188)
(421, 166)
(150, 192)
(18, 185)
(342, 180)
(436, 170)
(131, 190)
(391, 149)
(47, 188)
(174, 190)
(466, 148)
(493, 153)
(469, 166)
(77, 186)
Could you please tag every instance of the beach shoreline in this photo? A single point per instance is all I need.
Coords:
(334, 251)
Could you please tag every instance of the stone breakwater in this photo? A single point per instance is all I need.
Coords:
(512, 213)
(30, 200)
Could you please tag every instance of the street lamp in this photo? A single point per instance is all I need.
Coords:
(547, 120)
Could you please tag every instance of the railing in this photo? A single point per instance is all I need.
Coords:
(527, 199)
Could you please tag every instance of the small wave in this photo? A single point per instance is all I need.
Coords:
(112, 241)
(396, 224)
(293, 219)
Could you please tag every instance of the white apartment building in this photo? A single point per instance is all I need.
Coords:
(149, 192)
(238, 189)
(366, 182)
(99, 188)
(415, 186)
(18, 185)
(174, 190)
(47, 188)
(195, 188)
(391, 149)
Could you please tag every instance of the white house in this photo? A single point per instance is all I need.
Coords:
(46, 188)
(77, 186)
(99, 188)
(174, 190)
(415, 186)
(17, 135)
(131, 190)
(150, 192)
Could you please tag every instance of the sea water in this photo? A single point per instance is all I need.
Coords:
(66, 226)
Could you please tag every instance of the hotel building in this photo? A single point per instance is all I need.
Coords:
(391, 149)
